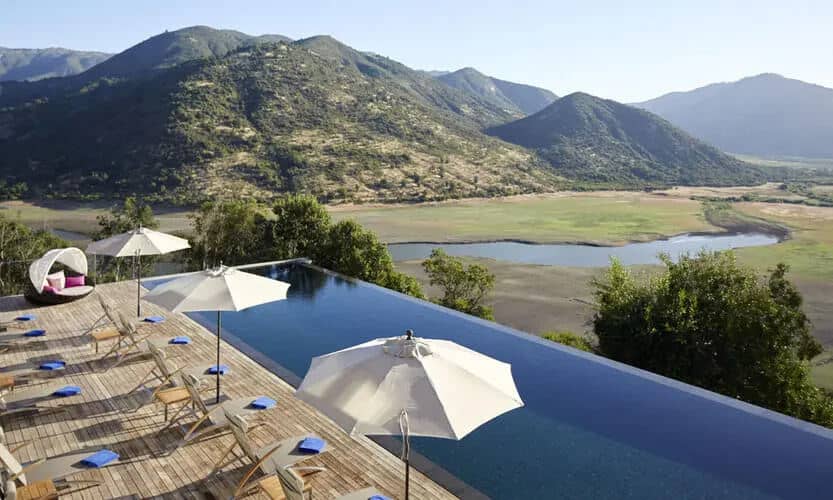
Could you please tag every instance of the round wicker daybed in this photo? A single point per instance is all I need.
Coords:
(74, 261)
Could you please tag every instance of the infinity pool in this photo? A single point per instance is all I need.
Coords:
(591, 428)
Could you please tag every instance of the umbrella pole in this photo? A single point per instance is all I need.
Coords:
(138, 284)
(406, 449)
(218, 358)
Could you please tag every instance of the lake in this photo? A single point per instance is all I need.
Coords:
(574, 255)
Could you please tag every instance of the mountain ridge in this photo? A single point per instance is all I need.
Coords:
(24, 64)
(601, 140)
(766, 115)
(517, 98)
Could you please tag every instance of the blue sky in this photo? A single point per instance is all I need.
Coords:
(624, 50)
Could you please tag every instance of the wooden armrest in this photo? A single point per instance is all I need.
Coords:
(19, 447)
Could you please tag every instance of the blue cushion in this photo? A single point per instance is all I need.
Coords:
(181, 340)
(222, 369)
(53, 365)
(70, 390)
(311, 445)
(100, 458)
(263, 403)
(154, 319)
(25, 317)
(378, 497)
(35, 333)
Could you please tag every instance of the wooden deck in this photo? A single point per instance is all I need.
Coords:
(105, 416)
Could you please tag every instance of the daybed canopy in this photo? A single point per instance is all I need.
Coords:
(71, 257)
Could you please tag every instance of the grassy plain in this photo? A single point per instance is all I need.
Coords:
(612, 217)
(81, 217)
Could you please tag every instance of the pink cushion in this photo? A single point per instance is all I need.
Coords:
(56, 280)
(49, 289)
(74, 281)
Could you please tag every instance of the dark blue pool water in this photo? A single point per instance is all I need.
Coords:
(590, 428)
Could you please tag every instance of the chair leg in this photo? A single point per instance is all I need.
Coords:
(220, 463)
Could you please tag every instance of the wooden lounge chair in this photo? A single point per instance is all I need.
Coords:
(17, 338)
(45, 478)
(32, 370)
(210, 417)
(109, 325)
(132, 344)
(28, 400)
(267, 459)
(167, 375)
(288, 483)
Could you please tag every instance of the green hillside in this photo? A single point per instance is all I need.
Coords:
(37, 64)
(175, 47)
(517, 99)
(312, 116)
(603, 141)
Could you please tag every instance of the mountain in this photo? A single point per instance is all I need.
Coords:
(516, 98)
(600, 140)
(36, 64)
(175, 47)
(764, 115)
(162, 51)
(311, 116)
(474, 108)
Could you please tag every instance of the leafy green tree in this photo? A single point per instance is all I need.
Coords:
(227, 232)
(464, 287)
(20, 245)
(352, 250)
(300, 228)
(130, 215)
(402, 283)
(712, 323)
(569, 338)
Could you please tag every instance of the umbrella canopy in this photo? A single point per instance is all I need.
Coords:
(138, 242)
(222, 289)
(71, 257)
(448, 390)
(410, 386)
(143, 241)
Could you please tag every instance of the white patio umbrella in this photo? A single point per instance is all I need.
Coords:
(138, 242)
(221, 289)
(410, 386)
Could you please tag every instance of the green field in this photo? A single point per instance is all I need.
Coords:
(601, 217)
(81, 217)
(809, 251)
(791, 162)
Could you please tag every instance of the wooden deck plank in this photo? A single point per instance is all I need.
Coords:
(105, 416)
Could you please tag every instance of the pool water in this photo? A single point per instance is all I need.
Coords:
(591, 428)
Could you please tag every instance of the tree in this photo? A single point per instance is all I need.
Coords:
(569, 338)
(300, 228)
(20, 245)
(237, 232)
(228, 232)
(464, 287)
(712, 323)
(352, 250)
(130, 215)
